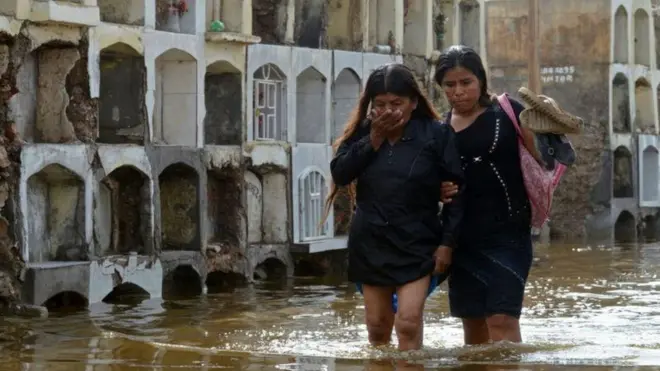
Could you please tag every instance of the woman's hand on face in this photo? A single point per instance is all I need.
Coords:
(442, 258)
(386, 122)
(447, 191)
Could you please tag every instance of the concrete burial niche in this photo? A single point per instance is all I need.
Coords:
(56, 216)
(310, 105)
(122, 108)
(642, 27)
(175, 111)
(125, 206)
(622, 181)
(621, 104)
(179, 187)
(223, 96)
(620, 35)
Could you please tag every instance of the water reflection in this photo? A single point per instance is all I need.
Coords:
(585, 305)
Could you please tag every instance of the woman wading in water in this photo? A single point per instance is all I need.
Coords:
(394, 161)
(490, 268)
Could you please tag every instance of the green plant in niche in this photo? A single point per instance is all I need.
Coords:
(217, 26)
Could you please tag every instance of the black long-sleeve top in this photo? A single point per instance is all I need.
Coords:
(395, 227)
(495, 198)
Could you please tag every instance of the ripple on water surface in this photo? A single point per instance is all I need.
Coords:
(584, 306)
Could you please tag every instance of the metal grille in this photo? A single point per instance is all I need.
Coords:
(312, 191)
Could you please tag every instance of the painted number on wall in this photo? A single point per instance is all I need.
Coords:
(558, 75)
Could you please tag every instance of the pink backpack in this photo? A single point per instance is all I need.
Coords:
(539, 182)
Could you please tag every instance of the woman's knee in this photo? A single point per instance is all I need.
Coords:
(502, 322)
(379, 326)
(408, 323)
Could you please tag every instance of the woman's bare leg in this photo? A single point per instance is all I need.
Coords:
(409, 321)
(379, 315)
(475, 331)
(503, 327)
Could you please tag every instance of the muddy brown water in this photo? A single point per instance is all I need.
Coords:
(587, 308)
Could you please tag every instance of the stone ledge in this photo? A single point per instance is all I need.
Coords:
(312, 247)
(65, 12)
(231, 37)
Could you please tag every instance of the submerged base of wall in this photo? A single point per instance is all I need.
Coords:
(90, 282)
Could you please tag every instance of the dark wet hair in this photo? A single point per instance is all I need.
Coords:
(392, 78)
(468, 58)
(397, 79)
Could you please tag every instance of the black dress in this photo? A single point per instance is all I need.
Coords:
(490, 269)
(396, 228)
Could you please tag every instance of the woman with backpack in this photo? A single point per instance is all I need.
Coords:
(494, 255)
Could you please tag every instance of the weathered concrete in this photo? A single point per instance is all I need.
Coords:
(124, 198)
(181, 183)
(129, 12)
(226, 216)
(59, 177)
(269, 261)
(192, 175)
(271, 19)
(345, 25)
(310, 24)
(184, 273)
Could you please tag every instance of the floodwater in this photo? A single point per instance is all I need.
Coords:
(587, 308)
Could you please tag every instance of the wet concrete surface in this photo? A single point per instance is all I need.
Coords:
(587, 308)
